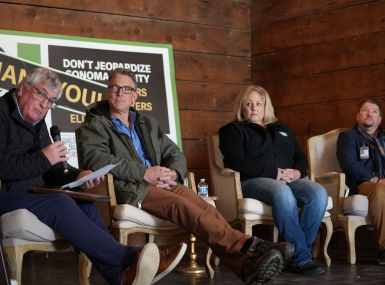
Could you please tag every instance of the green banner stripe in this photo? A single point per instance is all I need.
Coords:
(30, 52)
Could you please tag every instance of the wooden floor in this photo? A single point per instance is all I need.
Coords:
(60, 268)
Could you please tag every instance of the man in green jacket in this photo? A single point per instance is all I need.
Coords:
(149, 176)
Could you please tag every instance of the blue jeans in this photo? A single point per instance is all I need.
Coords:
(298, 209)
(81, 225)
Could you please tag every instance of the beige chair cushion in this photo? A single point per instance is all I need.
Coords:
(252, 209)
(357, 205)
(22, 224)
(12, 242)
(129, 216)
(249, 207)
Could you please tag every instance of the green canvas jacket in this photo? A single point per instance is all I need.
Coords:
(101, 143)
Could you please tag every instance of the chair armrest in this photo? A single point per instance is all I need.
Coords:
(227, 188)
(227, 171)
(328, 175)
(189, 181)
(334, 184)
(229, 175)
(310, 175)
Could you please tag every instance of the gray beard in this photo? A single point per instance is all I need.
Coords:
(368, 125)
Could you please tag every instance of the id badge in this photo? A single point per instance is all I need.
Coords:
(364, 152)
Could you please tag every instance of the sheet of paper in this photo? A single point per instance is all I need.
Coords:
(93, 175)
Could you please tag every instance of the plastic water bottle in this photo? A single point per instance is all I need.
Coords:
(203, 189)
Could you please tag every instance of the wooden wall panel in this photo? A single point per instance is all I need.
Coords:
(198, 163)
(319, 118)
(211, 68)
(319, 28)
(183, 36)
(190, 149)
(216, 96)
(201, 122)
(234, 14)
(328, 87)
(364, 50)
(318, 60)
(265, 12)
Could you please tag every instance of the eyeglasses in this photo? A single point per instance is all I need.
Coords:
(41, 96)
(125, 89)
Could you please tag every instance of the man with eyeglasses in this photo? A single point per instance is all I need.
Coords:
(41, 96)
(150, 176)
(29, 160)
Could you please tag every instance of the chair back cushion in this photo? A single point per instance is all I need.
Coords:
(217, 152)
(322, 153)
(24, 225)
(224, 187)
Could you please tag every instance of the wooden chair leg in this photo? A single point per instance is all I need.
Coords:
(151, 238)
(328, 225)
(15, 261)
(275, 234)
(84, 269)
(216, 261)
(209, 269)
(316, 246)
(247, 228)
(350, 230)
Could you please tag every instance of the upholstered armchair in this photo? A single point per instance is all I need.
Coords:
(246, 211)
(349, 212)
(124, 219)
(23, 232)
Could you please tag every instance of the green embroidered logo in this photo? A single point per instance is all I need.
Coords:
(283, 133)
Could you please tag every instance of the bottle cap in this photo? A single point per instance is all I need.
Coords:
(202, 179)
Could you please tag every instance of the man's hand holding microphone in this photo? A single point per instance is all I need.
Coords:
(57, 152)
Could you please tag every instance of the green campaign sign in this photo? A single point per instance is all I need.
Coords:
(83, 65)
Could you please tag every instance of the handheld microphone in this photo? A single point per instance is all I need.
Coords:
(55, 134)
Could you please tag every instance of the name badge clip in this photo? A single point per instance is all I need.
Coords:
(364, 152)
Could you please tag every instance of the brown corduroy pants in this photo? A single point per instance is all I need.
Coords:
(376, 196)
(185, 208)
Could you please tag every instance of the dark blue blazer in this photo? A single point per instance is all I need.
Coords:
(357, 170)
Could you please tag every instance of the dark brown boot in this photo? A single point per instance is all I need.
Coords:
(259, 270)
(259, 247)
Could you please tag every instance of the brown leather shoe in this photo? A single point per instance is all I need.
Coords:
(169, 258)
(143, 270)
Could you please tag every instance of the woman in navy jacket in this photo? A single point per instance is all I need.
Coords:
(273, 168)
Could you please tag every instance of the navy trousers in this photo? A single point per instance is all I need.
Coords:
(81, 225)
